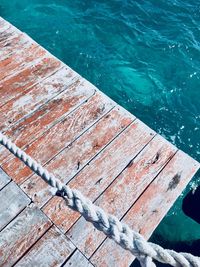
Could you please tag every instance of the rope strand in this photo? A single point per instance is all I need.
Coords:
(108, 224)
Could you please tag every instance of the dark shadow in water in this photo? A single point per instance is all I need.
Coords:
(191, 205)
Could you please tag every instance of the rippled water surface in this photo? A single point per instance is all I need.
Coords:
(143, 54)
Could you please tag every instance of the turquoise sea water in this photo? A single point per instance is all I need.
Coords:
(143, 54)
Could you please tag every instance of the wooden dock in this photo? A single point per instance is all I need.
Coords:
(86, 140)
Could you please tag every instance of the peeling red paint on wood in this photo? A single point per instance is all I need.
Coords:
(34, 126)
(15, 63)
(86, 140)
(123, 192)
(151, 207)
(59, 136)
(51, 250)
(22, 82)
(101, 171)
(78, 154)
(36, 97)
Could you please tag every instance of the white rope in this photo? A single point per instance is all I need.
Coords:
(109, 224)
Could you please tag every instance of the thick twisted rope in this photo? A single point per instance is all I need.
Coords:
(109, 224)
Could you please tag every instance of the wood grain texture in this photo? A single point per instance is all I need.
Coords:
(12, 41)
(21, 82)
(7, 34)
(72, 159)
(150, 208)
(123, 192)
(34, 126)
(4, 179)
(13, 201)
(28, 103)
(16, 62)
(12, 44)
(21, 234)
(87, 141)
(50, 251)
(60, 136)
(101, 171)
(78, 260)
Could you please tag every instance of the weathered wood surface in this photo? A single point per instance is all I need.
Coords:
(51, 250)
(59, 136)
(124, 192)
(40, 94)
(21, 234)
(36, 124)
(150, 208)
(4, 179)
(85, 140)
(78, 154)
(21, 82)
(78, 260)
(12, 202)
(101, 172)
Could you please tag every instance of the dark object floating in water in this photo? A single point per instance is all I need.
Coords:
(191, 205)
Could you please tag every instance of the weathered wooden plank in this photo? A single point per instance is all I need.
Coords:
(7, 33)
(60, 136)
(21, 234)
(52, 112)
(22, 82)
(13, 200)
(22, 105)
(101, 171)
(78, 260)
(78, 154)
(10, 37)
(123, 192)
(45, 117)
(50, 251)
(14, 43)
(151, 207)
(17, 62)
(4, 179)
(85, 150)
(12, 40)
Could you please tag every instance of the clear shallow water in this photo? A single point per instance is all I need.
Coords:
(143, 54)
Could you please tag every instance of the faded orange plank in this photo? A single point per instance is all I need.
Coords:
(150, 208)
(71, 160)
(28, 103)
(60, 136)
(51, 251)
(78, 260)
(46, 116)
(21, 234)
(123, 192)
(101, 171)
(23, 81)
(17, 62)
